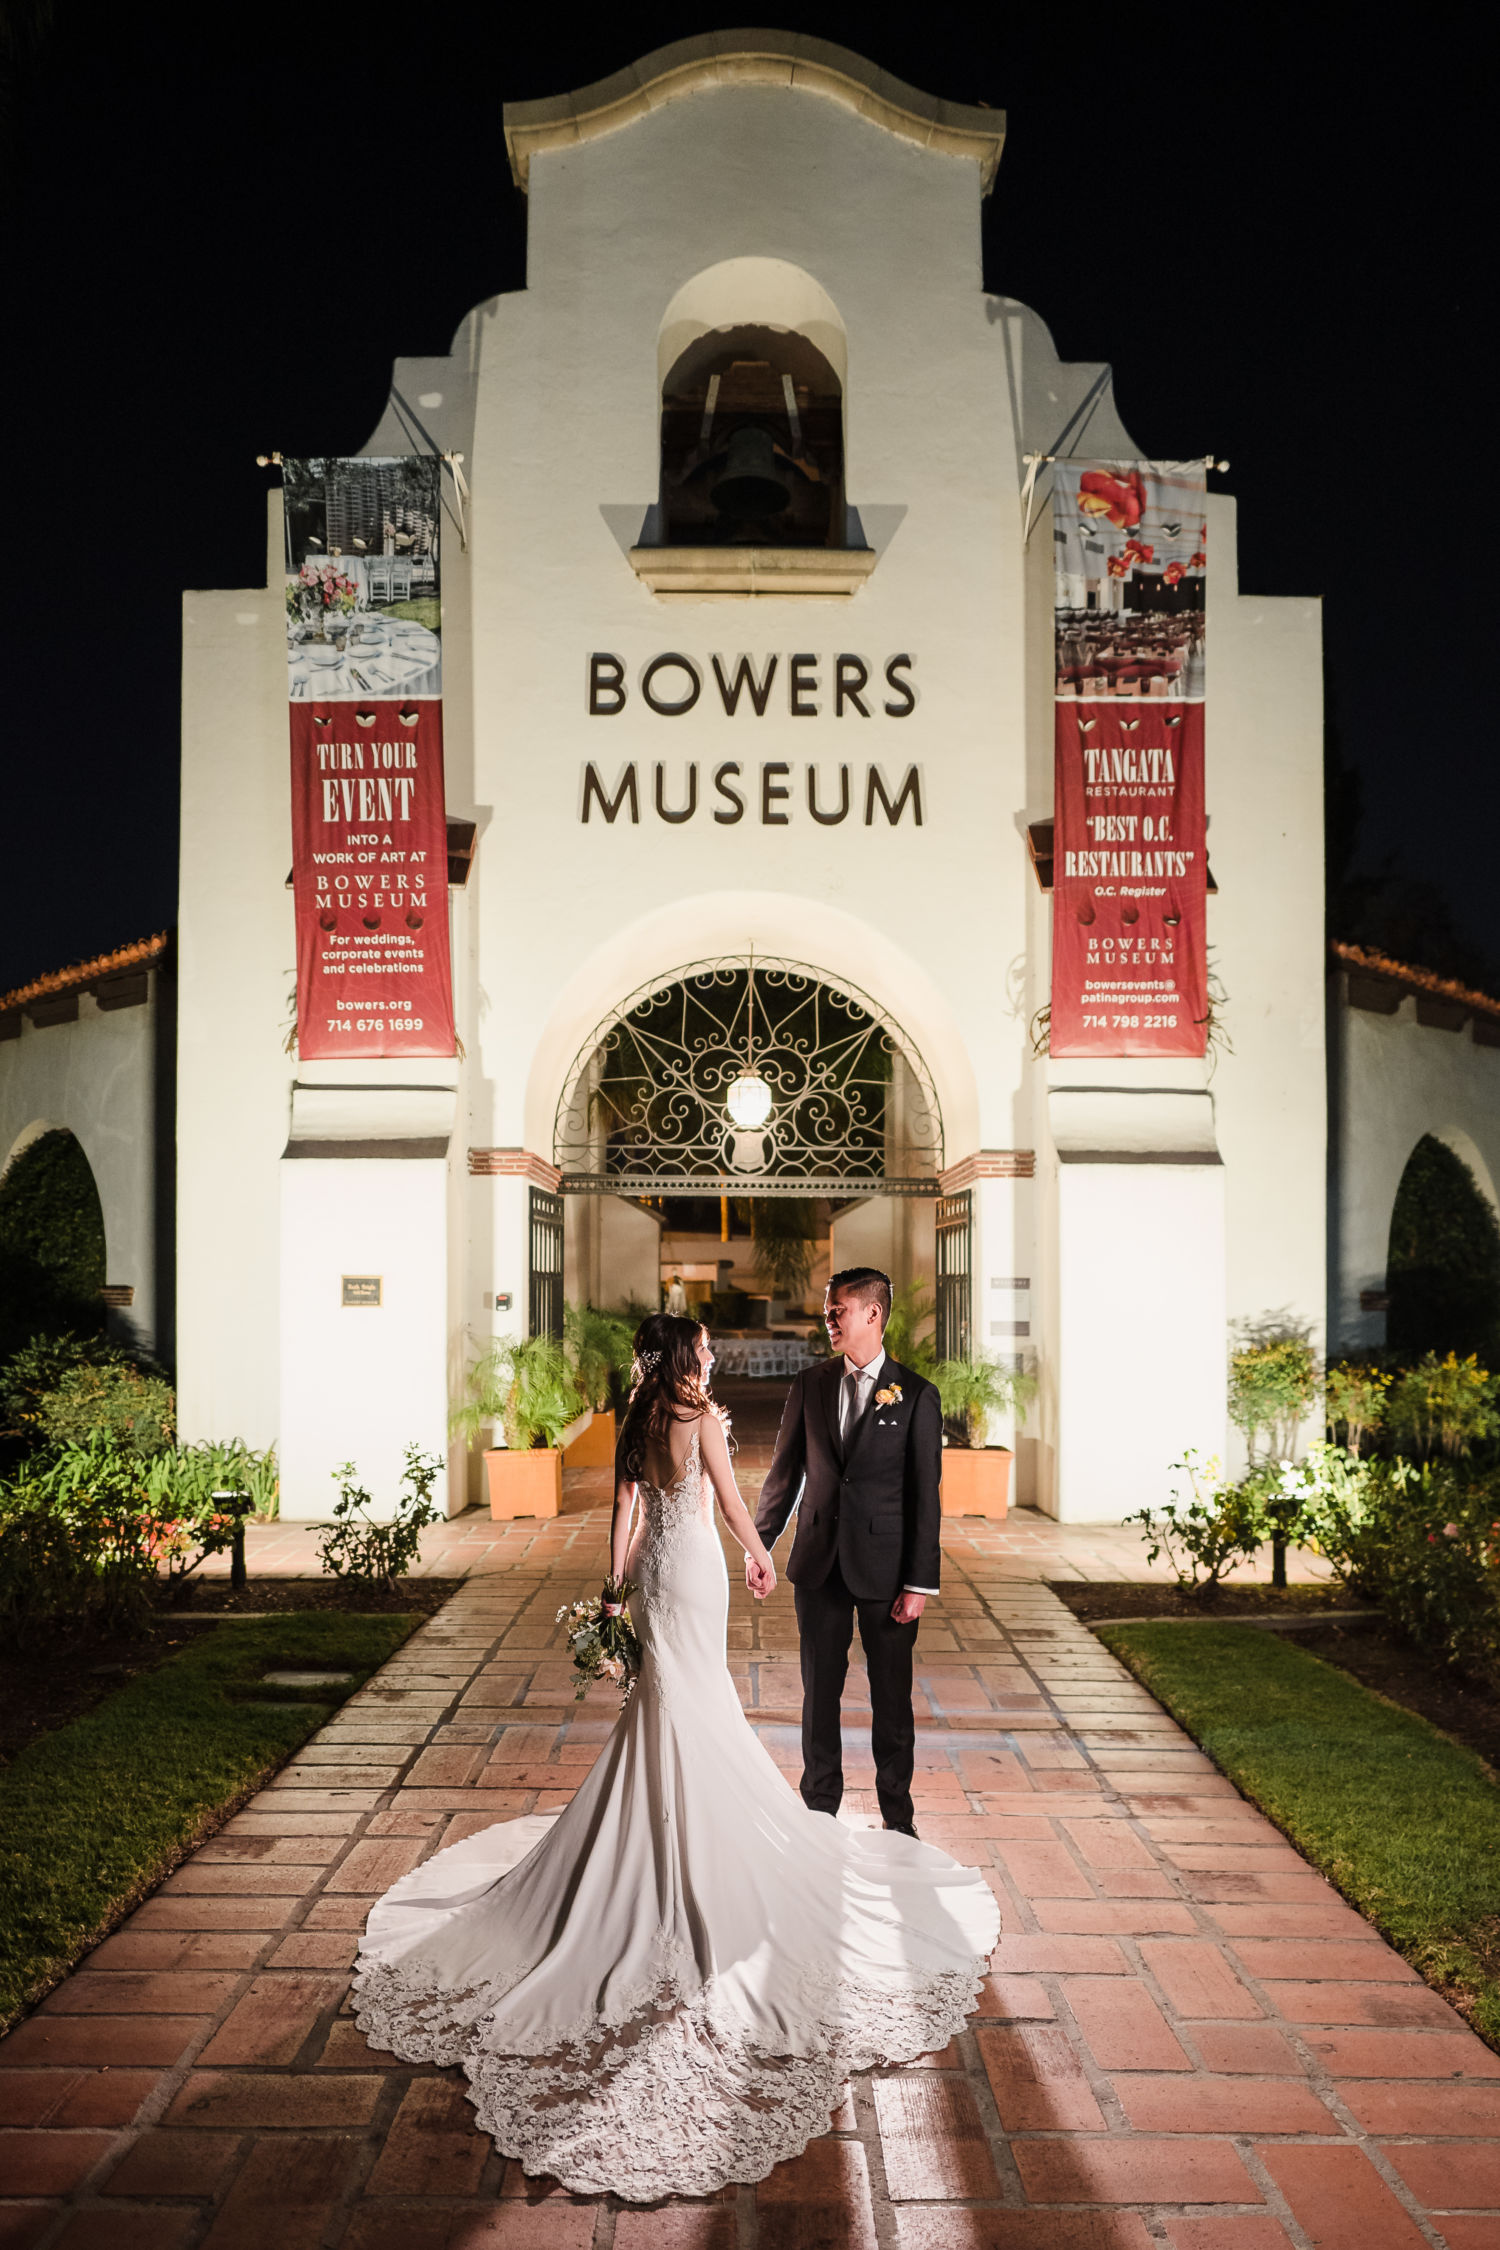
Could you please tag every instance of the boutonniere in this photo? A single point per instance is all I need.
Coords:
(890, 1396)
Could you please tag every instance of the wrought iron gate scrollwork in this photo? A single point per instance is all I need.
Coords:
(645, 1107)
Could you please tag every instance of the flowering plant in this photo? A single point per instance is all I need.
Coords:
(890, 1396)
(328, 585)
(602, 1639)
(1206, 1531)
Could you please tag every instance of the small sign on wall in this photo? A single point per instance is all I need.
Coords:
(361, 1288)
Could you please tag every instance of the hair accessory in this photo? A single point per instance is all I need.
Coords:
(647, 1360)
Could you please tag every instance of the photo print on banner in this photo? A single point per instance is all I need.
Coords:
(1130, 871)
(369, 826)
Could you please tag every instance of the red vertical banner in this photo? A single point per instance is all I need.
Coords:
(369, 825)
(1130, 869)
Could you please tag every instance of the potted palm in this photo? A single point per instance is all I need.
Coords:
(528, 1387)
(599, 1344)
(976, 1475)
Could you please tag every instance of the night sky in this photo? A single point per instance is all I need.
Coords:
(222, 227)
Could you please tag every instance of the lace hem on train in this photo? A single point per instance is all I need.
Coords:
(673, 2099)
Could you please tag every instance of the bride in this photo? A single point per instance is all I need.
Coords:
(664, 1987)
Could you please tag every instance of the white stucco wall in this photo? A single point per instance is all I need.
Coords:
(1394, 1080)
(1265, 932)
(237, 965)
(379, 1218)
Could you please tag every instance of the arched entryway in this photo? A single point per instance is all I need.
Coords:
(1443, 1260)
(52, 1245)
(737, 1125)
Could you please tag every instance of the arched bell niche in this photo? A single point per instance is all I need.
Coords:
(752, 411)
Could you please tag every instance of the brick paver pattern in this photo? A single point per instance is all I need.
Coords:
(1187, 2038)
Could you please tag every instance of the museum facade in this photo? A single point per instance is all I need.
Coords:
(750, 515)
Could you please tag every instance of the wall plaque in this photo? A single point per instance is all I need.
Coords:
(361, 1289)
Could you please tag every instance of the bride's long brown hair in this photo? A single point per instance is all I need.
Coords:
(668, 1387)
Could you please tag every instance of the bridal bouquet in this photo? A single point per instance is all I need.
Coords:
(604, 1647)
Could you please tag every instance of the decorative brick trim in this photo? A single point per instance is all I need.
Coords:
(514, 1164)
(988, 1164)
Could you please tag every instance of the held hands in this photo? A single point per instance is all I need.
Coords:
(908, 1607)
(760, 1576)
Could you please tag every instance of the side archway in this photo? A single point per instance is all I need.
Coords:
(52, 1240)
(1443, 1261)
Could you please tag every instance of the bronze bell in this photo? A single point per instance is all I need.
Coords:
(750, 483)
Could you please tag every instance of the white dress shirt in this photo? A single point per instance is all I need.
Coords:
(866, 1377)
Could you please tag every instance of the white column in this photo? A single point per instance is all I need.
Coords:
(362, 1379)
(1141, 1283)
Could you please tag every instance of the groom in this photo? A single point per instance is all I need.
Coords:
(860, 1448)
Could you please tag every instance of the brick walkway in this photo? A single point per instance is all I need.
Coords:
(1187, 2038)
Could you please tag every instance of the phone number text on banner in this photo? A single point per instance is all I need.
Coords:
(1129, 903)
(369, 827)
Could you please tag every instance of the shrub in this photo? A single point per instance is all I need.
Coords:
(86, 1536)
(1446, 1405)
(39, 1366)
(372, 1553)
(1423, 1542)
(115, 1400)
(1273, 1380)
(1206, 1535)
(1354, 1401)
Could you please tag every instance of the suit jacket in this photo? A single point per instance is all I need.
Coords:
(877, 1511)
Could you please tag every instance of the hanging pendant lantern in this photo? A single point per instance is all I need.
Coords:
(749, 1100)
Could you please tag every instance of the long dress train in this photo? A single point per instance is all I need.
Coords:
(663, 1988)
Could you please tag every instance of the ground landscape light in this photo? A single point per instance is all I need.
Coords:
(749, 1100)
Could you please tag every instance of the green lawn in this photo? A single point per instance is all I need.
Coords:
(1405, 1822)
(95, 1814)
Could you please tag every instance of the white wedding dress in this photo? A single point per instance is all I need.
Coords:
(663, 1988)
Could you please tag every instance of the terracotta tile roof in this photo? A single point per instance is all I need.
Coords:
(1415, 980)
(142, 954)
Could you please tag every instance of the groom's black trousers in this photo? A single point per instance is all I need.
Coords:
(825, 1621)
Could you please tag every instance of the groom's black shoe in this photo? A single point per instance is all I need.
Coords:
(903, 1828)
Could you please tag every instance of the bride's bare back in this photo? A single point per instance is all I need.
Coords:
(665, 1465)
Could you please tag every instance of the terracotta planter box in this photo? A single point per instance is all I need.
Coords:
(976, 1480)
(524, 1484)
(594, 1447)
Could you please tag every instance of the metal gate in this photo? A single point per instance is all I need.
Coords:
(545, 1306)
(955, 1276)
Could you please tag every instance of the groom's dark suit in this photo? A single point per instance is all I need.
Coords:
(867, 1526)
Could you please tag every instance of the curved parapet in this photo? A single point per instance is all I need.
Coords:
(753, 58)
